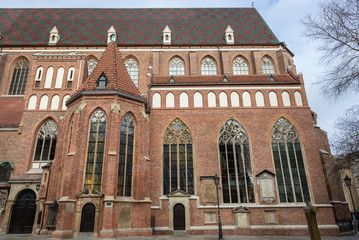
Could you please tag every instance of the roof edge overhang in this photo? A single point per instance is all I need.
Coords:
(110, 92)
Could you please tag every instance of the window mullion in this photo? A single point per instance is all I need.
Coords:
(48, 154)
(178, 165)
(228, 176)
(125, 167)
(185, 152)
(290, 170)
(299, 177)
(18, 88)
(42, 149)
(245, 173)
(95, 156)
(283, 176)
(236, 168)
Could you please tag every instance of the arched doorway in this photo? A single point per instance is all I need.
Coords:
(179, 217)
(23, 212)
(88, 218)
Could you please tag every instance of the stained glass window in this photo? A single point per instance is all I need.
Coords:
(240, 66)
(95, 152)
(45, 144)
(177, 158)
(132, 69)
(176, 67)
(19, 78)
(267, 66)
(208, 66)
(289, 164)
(235, 161)
(126, 156)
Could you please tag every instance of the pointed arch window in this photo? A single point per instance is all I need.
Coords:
(208, 66)
(236, 168)
(289, 163)
(95, 152)
(240, 66)
(267, 66)
(91, 64)
(176, 67)
(5, 171)
(132, 69)
(126, 156)
(45, 144)
(177, 158)
(19, 77)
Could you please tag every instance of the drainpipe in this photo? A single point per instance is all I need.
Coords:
(220, 61)
(47, 190)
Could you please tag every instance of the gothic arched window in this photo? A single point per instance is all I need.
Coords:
(236, 168)
(45, 144)
(19, 77)
(208, 66)
(267, 66)
(176, 67)
(91, 64)
(289, 163)
(5, 171)
(177, 158)
(240, 66)
(132, 69)
(95, 152)
(126, 156)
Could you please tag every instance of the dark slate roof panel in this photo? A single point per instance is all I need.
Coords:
(196, 26)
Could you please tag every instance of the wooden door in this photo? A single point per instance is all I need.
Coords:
(88, 218)
(179, 217)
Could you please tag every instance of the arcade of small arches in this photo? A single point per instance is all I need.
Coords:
(246, 100)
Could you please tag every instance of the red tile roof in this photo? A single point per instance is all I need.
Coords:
(241, 79)
(11, 110)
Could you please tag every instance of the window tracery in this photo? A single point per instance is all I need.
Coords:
(126, 156)
(91, 64)
(240, 66)
(289, 163)
(19, 78)
(45, 144)
(176, 67)
(208, 66)
(267, 66)
(236, 169)
(132, 69)
(95, 152)
(177, 158)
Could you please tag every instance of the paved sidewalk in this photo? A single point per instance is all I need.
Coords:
(180, 237)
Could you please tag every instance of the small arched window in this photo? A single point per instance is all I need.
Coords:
(45, 144)
(19, 77)
(5, 171)
(132, 69)
(177, 158)
(289, 163)
(240, 66)
(208, 66)
(176, 67)
(95, 152)
(235, 162)
(267, 66)
(127, 143)
(91, 64)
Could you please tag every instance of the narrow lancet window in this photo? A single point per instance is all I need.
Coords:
(132, 69)
(126, 156)
(177, 158)
(176, 67)
(236, 168)
(289, 163)
(95, 152)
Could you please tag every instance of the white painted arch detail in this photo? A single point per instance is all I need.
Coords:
(246, 97)
(223, 100)
(286, 99)
(259, 99)
(211, 99)
(273, 99)
(32, 102)
(48, 80)
(156, 100)
(43, 102)
(198, 99)
(64, 100)
(298, 99)
(55, 102)
(170, 100)
(183, 100)
(235, 99)
(59, 77)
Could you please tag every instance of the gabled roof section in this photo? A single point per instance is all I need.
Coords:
(112, 65)
(84, 27)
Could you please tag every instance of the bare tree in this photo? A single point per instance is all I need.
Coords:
(346, 140)
(336, 26)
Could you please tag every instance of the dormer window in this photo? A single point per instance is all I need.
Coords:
(102, 81)
(166, 35)
(167, 38)
(111, 35)
(113, 38)
(229, 37)
(54, 36)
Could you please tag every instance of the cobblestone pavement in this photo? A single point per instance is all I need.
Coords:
(177, 237)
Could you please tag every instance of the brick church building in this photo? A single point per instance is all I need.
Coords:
(115, 122)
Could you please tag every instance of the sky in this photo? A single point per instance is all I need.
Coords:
(283, 17)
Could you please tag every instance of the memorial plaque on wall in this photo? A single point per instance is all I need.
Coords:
(208, 190)
(266, 186)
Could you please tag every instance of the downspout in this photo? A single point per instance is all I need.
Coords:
(43, 204)
(220, 61)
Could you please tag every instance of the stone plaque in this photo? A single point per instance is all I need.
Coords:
(3, 198)
(125, 215)
(210, 217)
(70, 207)
(241, 215)
(266, 186)
(208, 190)
(270, 216)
